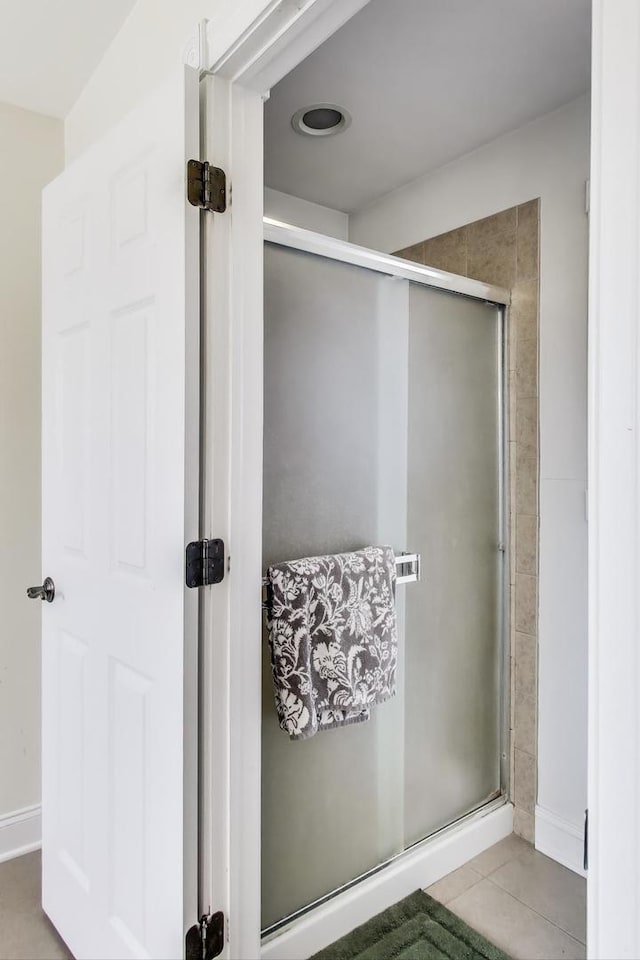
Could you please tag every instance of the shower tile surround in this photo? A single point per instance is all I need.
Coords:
(504, 249)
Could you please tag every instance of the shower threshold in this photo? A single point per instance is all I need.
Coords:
(494, 802)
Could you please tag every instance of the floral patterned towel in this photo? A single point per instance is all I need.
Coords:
(333, 638)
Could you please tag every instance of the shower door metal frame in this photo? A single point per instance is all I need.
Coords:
(332, 248)
(342, 251)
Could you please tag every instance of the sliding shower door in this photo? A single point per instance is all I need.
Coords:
(383, 426)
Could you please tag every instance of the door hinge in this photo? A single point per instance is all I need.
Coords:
(206, 186)
(205, 563)
(205, 940)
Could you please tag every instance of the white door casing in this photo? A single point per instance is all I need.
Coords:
(613, 887)
(120, 501)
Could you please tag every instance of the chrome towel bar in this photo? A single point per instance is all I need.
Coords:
(408, 570)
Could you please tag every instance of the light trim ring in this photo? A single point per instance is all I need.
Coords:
(298, 124)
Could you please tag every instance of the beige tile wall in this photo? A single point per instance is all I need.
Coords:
(504, 249)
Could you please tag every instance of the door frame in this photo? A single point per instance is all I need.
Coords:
(245, 50)
(613, 898)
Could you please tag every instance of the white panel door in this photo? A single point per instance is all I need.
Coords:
(120, 501)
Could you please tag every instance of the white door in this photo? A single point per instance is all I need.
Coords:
(120, 501)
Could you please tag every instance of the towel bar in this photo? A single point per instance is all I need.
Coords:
(412, 561)
(408, 570)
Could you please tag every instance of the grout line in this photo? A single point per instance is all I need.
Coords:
(451, 899)
(464, 892)
(533, 909)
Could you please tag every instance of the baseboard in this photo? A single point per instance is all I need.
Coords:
(20, 832)
(418, 868)
(560, 839)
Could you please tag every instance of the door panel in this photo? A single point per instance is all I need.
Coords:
(382, 426)
(453, 643)
(330, 484)
(120, 496)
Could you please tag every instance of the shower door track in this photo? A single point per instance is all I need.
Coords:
(285, 235)
(488, 806)
(297, 238)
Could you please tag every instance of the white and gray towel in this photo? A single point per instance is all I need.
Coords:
(333, 638)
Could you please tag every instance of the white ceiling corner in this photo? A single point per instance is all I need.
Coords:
(50, 48)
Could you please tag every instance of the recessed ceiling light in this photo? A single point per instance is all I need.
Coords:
(320, 120)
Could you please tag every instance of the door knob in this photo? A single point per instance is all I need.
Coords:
(46, 592)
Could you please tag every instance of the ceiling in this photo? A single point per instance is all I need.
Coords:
(50, 48)
(425, 81)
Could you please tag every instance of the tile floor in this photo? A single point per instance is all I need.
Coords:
(523, 902)
(528, 905)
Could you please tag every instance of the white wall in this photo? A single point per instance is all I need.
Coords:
(31, 154)
(145, 49)
(303, 213)
(548, 158)
(149, 45)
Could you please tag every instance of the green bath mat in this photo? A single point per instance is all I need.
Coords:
(417, 928)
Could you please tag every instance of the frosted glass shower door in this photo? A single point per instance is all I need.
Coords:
(382, 426)
(453, 637)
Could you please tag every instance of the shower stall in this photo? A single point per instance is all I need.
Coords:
(385, 423)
